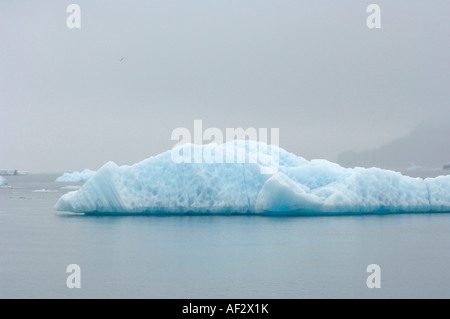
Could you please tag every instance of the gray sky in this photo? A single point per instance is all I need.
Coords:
(310, 68)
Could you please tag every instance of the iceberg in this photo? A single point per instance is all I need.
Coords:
(8, 172)
(71, 187)
(2, 180)
(43, 190)
(76, 176)
(160, 185)
(12, 172)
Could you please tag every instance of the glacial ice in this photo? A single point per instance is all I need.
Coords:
(2, 180)
(159, 185)
(10, 172)
(43, 190)
(76, 176)
(71, 187)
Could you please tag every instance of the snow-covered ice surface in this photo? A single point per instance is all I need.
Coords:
(297, 186)
(76, 176)
(2, 180)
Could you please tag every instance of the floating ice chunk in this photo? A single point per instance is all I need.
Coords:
(8, 172)
(76, 176)
(2, 180)
(12, 172)
(160, 185)
(413, 167)
(71, 187)
(43, 190)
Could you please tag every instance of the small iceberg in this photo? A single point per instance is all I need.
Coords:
(414, 167)
(3, 181)
(76, 176)
(160, 185)
(71, 187)
(43, 190)
(11, 172)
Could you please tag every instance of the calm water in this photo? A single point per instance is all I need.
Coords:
(213, 256)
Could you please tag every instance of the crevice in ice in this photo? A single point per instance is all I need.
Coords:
(429, 196)
(245, 186)
(183, 187)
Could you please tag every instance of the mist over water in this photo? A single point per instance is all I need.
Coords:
(117, 87)
(425, 149)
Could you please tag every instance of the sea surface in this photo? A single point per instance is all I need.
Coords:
(213, 256)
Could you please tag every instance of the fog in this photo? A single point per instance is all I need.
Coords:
(117, 87)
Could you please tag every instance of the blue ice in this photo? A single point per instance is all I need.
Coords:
(160, 185)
